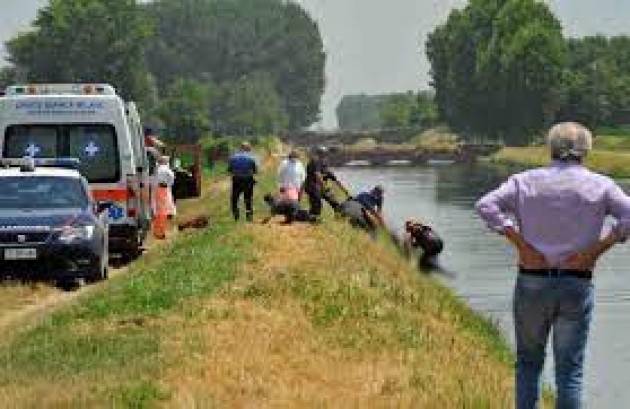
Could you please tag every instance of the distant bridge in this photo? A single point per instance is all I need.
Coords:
(385, 136)
(339, 156)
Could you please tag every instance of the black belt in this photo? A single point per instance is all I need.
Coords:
(556, 272)
(163, 184)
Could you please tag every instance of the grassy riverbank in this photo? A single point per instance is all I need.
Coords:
(614, 163)
(261, 316)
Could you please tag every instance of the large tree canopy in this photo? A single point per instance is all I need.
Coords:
(263, 59)
(225, 41)
(597, 81)
(497, 66)
(86, 41)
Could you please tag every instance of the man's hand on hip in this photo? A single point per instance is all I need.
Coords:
(582, 261)
(528, 256)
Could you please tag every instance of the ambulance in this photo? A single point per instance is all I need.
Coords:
(91, 123)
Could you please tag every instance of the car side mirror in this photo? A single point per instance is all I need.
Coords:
(103, 207)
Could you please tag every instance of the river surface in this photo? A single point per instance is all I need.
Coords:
(479, 265)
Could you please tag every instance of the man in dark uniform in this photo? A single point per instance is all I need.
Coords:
(243, 166)
(317, 173)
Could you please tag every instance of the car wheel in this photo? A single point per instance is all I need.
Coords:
(101, 273)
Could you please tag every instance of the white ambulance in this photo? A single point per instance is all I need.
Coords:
(92, 123)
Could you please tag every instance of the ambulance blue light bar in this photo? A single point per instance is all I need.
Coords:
(61, 89)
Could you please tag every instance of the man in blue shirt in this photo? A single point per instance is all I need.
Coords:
(365, 209)
(243, 166)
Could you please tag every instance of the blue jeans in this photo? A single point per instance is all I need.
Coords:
(563, 305)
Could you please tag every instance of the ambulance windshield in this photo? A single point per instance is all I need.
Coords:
(93, 144)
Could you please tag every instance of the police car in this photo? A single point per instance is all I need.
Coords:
(49, 224)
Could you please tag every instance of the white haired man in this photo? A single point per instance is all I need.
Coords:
(554, 216)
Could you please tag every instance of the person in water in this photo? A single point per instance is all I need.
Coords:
(554, 216)
(421, 236)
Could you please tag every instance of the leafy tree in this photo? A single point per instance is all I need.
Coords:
(184, 110)
(86, 41)
(226, 40)
(251, 106)
(397, 110)
(8, 76)
(596, 83)
(496, 66)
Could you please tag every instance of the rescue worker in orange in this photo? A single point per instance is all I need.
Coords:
(163, 204)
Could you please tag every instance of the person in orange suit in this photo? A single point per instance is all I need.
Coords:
(163, 204)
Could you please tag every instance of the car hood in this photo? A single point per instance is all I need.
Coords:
(42, 219)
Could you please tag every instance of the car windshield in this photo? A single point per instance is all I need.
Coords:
(93, 144)
(42, 193)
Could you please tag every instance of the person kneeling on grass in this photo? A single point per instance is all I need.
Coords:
(286, 203)
(422, 236)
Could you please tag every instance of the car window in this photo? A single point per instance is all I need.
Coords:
(42, 193)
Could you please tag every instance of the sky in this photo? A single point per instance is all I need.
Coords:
(376, 46)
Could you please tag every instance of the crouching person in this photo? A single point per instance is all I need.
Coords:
(163, 204)
(286, 203)
(365, 209)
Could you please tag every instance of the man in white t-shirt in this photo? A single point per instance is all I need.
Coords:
(291, 173)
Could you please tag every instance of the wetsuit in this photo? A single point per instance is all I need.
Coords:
(243, 167)
(312, 186)
(428, 240)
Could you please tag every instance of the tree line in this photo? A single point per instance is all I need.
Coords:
(228, 67)
(397, 110)
(503, 70)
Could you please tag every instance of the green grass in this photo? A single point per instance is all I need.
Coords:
(239, 314)
(612, 163)
(117, 331)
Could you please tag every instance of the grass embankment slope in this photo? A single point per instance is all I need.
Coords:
(251, 315)
(611, 156)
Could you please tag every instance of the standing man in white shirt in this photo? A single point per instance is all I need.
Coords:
(291, 175)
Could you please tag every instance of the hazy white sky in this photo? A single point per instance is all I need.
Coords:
(378, 45)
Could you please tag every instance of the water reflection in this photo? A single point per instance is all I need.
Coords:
(478, 264)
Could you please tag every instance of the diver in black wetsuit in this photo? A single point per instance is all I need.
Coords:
(422, 236)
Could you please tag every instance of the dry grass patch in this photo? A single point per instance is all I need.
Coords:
(323, 316)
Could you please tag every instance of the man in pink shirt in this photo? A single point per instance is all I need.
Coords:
(554, 216)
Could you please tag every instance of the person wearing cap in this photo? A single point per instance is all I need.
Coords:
(243, 166)
(163, 204)
(317, 174)
(554, 216)
(291, 175)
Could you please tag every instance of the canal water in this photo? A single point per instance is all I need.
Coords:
(479, 265)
